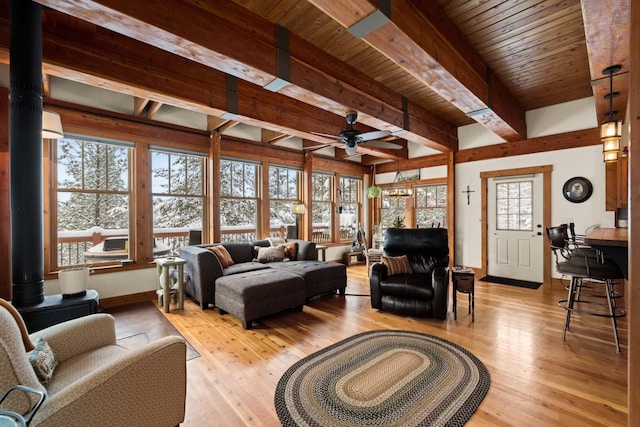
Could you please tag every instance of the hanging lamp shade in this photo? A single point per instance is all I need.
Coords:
(51, 125)
(611, 129)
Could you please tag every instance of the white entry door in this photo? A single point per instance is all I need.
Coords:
(515, 232)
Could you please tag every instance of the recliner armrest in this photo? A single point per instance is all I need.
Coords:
(440, 283)
(76, 336)
(378, 273)
(146, 386)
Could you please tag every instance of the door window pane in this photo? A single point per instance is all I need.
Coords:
(514, 202)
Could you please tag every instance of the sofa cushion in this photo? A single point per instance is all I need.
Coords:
(243, 267)
(240, 251)
(222, 254)
(306, 250)
(271, 254)
(314, 271)
(397, 265)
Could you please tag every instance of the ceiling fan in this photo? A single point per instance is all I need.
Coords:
(351, 137)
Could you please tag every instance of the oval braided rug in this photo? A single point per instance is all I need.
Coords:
(383, 378)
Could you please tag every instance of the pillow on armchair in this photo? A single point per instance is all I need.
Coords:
(397, 265)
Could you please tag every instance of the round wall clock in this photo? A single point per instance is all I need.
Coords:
(577, 189)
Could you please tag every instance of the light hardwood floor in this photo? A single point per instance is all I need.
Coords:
(536, 378)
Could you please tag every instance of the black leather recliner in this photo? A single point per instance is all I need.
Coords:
(424, 292)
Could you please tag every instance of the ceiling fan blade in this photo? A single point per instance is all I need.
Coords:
(382, 144)
(373, 135)
(326, 135)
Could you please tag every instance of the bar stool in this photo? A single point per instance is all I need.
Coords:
(592, 280)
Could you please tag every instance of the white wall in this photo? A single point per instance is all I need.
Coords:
(114, 284)
(585, 162)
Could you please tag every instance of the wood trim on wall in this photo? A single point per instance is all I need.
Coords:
(633, 349)
(562, 141)
(546, 216)
(5, 202)
(451, 207)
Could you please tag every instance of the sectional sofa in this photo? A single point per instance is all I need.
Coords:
(251, 288)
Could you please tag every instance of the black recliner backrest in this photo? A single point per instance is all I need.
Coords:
(424, 247)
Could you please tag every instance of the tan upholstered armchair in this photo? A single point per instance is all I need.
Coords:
(96, 382)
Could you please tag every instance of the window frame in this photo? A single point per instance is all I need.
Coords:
(256, 199)
(170, 238)
(53, 263)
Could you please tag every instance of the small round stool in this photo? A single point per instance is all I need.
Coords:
(463, 281)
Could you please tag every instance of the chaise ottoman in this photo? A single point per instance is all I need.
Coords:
(254, 294)
(320, 277)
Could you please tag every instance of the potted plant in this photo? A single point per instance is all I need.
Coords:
(398, 222)
(374, 191)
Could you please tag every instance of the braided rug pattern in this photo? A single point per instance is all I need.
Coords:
(383, 378)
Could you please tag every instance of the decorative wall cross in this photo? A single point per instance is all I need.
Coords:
(468, 191)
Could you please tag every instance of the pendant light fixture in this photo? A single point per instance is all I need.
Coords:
(611, 128)
(398, 187)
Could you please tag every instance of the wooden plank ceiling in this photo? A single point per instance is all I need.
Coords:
(416, 68)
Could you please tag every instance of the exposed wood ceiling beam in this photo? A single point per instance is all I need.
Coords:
(117, 63)
(46, 85)
(214, 123)
(253, 56)
(418, 37)
(139, 104)
(607, 34)
(228, 125)
(152, 108)
(272, 137)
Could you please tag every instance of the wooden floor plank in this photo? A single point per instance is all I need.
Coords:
(536, 378)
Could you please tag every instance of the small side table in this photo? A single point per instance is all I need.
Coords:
(463, 281)
(163, 268)
(352, 258)
(322, 252)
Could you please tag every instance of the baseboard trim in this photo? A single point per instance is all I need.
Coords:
(127, 299)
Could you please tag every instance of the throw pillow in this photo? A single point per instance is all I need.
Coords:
(43, 361)
(275, 241)
(290, 250)
(397, 265)
(271, 254)
(222, 254)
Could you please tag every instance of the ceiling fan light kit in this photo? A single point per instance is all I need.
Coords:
(611, 128)
(350, 138)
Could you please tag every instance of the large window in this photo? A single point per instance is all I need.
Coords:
(431, 206)
(349, 195)
(392, 210)
(321, 218)
(238, 200)
(177, 185)
(284, 191)
(92, 200)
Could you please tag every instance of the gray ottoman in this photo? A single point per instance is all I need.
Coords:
(255, 294)
(320, 277)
